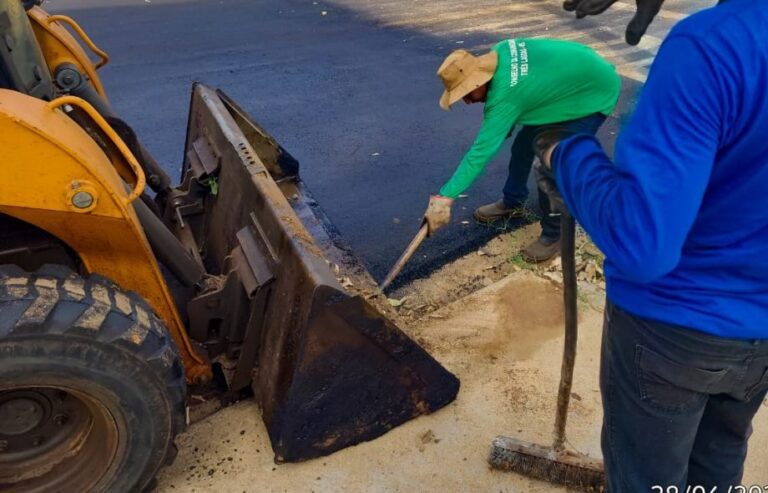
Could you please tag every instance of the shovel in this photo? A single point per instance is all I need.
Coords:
(406, 256)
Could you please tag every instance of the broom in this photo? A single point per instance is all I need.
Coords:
(556, 464)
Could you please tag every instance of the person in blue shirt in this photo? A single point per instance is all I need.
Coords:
(682, 217)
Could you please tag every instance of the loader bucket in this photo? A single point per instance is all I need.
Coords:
(328, 368)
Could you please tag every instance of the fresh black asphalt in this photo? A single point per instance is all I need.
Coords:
(355, 102)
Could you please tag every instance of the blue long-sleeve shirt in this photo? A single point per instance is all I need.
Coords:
(682, 214)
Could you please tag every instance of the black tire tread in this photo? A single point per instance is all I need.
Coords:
(29, 302)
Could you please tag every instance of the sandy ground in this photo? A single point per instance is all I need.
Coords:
(504, 342)
(490, 263)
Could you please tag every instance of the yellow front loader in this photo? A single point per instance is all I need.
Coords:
(129, 306)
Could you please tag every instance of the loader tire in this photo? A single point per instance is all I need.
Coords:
(92, 391)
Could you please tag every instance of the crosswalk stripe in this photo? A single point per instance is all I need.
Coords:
(453, 20)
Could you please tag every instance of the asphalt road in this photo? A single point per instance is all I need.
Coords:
(348, 87)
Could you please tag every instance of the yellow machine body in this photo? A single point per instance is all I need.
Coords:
(57, 178)
(60, 47)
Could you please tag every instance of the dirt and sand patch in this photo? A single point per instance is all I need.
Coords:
(503, 340)
(497, 259)
(508, 366)
(464, 275)
(516, 318)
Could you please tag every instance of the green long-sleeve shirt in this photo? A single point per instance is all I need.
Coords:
(537, 82)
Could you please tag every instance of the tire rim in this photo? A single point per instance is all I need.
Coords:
(55, 439)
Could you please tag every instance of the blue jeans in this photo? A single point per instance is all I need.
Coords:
(678, 404)
(521, 160)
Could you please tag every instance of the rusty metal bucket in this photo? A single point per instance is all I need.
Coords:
(327, 367)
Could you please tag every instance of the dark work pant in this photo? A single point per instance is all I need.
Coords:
(521, 160)
(678, 404)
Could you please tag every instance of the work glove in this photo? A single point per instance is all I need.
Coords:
(438, 213)
(646, 11)
(544, 146)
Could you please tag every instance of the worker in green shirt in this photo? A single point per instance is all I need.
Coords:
(537, 84)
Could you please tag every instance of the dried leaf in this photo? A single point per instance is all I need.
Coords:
(553, 277)
(428, 436)
(395, 302)
(590, 270)
(346, 282)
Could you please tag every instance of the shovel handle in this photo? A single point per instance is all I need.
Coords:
(407, 254)
(568, 255)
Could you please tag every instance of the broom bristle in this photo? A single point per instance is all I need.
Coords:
(544, 463)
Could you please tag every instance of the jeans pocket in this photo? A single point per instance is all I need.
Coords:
(760, 386)
(670, 386)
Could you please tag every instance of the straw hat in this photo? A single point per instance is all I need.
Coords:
(462, 73)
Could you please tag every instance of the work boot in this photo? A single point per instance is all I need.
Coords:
(541, 250)
(498, 211)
